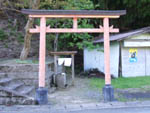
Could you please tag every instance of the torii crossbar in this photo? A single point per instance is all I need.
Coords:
(75, 15)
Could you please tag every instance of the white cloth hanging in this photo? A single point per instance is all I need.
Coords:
(61, 61)
(67, 62)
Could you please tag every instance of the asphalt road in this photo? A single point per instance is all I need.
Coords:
(120, 110)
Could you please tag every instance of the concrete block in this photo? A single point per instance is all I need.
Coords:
(108, 93)
(41, 96)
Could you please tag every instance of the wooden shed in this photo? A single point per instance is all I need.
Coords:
(129, 54)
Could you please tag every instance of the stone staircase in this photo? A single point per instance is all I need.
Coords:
(19, 81)
(14, 91)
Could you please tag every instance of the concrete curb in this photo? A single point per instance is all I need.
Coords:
(110, 105)
(76, 107)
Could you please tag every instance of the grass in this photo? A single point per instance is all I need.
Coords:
(122, 83)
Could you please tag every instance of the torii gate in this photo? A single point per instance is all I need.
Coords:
(41, 93)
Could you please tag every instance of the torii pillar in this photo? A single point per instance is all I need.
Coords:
(41, 93)
(108, 90)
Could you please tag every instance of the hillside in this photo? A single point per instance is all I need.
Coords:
(12, 36)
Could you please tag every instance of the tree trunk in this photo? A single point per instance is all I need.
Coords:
(27, 38)
(56, 42)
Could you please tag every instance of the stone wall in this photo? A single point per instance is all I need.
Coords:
(27, 73)
(19, 81)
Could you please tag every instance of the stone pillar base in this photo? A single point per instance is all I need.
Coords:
(108, 93)
(41, 97)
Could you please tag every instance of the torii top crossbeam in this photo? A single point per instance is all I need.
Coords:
(74, 14)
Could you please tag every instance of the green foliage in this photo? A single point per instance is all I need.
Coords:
(52, 4)
(3, 35)
(69, 40)
(13, 32)
(16, 4)
(49, 42)
(6, 45)
(79, 5)
(137, 12)
(137, 16)
(20, 37)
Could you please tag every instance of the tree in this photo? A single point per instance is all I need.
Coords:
(137, 12)
(27, 38)
(71, 40)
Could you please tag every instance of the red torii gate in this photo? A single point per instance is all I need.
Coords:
(41, 93)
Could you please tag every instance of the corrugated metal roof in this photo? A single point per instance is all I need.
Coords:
(123, 36)
(73, 12)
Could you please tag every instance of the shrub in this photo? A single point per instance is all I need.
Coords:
(3, 35)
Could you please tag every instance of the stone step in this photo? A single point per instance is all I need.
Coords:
(14, 86)
(19, 81)
(16, 101)
(15, 97)
(13, 92)
(32, 93)
(27, 90)
(5, 80)
(3, 75)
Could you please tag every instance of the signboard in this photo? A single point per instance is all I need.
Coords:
(132, 55)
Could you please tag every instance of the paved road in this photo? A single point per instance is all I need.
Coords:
(116, 110)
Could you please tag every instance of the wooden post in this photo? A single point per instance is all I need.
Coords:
(42, 52)
(73, 72)
(55, 68)
(107, 51)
